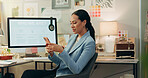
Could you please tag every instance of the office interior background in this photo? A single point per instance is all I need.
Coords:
(129, 14)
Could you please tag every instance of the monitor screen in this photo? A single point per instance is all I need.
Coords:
(29, 32)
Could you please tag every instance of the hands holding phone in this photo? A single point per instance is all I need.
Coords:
(50, 47)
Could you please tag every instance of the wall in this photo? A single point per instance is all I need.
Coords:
(126, 16)
(125, 12)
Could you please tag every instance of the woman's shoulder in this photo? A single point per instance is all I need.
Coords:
(89, 40)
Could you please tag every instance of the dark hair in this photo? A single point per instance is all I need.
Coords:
(83, 15)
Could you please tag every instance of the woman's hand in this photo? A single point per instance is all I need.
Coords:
(48, 50)
(50, 47)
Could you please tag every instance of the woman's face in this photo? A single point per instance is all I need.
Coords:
(77, 25)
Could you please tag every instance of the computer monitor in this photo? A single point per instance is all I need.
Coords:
(29, 32)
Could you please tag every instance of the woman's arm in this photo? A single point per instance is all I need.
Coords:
(54, 59)
(52, 56)
(86, 55)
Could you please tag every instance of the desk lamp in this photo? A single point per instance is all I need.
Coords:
(108, 29)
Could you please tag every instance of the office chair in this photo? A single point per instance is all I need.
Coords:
(85, 73)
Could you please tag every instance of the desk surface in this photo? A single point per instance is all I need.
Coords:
(97, 61)
(16, 62)
(37, 58)
(117, 61)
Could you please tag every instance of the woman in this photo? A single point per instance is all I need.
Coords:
(79, 50)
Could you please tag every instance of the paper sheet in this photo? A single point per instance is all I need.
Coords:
(6, 62)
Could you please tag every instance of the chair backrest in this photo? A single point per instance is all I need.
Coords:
(87, 69)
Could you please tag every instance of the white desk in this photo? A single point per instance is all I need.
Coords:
(18, 62)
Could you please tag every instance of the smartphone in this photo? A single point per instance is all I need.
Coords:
(46, 40)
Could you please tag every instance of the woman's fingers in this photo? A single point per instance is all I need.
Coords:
(54, 47)
(46, 40)
(49, 48)
(50, 44)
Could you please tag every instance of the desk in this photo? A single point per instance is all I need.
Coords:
(18, 62)
(133, 62)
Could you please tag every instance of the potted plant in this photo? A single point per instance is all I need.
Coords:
(100, 47)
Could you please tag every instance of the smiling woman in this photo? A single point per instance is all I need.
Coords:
(78, 26)
(71, 59)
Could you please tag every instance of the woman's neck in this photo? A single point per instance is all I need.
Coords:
(82, 33)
